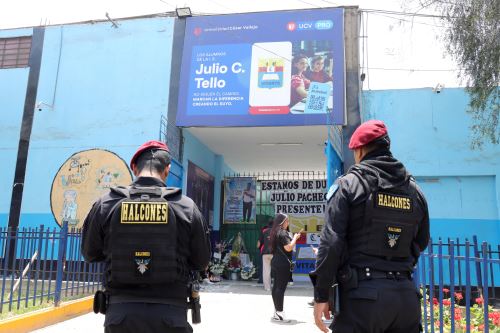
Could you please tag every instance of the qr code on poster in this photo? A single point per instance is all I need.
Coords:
(316, 103)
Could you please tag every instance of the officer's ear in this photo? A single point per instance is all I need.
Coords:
(357, 152)
(165, 172)
(135, 171)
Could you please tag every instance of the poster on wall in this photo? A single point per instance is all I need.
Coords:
(280, 68)
(239, 200)
(200, 188)
(83, 178)
(304, 201)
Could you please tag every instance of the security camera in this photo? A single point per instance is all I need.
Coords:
(438, 88)
(40, 105)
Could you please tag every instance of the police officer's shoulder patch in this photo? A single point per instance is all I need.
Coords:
(332, 191)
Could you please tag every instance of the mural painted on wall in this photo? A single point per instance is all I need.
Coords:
(239, 200)
(84, 177)
(200, 188)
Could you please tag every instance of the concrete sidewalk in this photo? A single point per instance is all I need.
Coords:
(227, 307)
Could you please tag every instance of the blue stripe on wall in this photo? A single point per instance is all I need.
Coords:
(32, 220)
(486, 230)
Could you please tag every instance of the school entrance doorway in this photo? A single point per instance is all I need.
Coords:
(250, 201)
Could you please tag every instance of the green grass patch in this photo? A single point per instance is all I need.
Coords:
(40, 303)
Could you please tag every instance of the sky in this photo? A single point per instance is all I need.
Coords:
(396, 51)
(27, 13)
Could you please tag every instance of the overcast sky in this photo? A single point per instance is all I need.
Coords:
(26, 13)
(403, 51)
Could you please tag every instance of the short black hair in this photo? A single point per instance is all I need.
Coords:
(155, 159)
(382, 143)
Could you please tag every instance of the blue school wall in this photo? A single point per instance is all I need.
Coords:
(103, 87)
(13, 83)
(430, 134)
(199, 154)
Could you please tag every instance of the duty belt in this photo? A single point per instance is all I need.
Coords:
(369, 274)
(130, 299)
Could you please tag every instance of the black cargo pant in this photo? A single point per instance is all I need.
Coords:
(379, 306)
(146, 318)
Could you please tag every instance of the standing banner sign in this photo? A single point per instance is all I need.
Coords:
(282, 68)
(239, 200)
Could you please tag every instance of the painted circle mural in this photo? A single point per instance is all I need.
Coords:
(83, 178)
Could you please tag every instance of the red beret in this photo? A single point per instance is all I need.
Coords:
(367, 132)
(148, 145)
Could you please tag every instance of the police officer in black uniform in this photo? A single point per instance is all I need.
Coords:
(377, 223)
(150, 237)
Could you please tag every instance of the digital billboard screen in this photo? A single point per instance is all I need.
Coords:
(263, 69)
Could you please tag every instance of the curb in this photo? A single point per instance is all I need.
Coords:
(46, 317)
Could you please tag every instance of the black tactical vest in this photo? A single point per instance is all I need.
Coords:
(386, 224)
(143, 239)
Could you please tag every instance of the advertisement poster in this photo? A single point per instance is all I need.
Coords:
(83, 178)
(200, 188)
(239, 200)
(281, 68)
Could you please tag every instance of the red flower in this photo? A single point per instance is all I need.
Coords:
(481, 327)
(446, 302)
(479, 301)
(458, 317)
(495, 318)
(458, 296)
(435, 301)
(446, 290)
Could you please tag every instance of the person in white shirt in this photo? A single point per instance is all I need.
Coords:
(248, 199)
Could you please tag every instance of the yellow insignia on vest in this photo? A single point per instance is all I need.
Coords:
(398, 202)
(143, 260)
(393, 234)
(144, 212)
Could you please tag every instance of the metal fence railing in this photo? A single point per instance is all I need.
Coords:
(40, 265)
(459, 282)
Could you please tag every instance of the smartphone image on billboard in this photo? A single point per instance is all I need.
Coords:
(270, 77)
